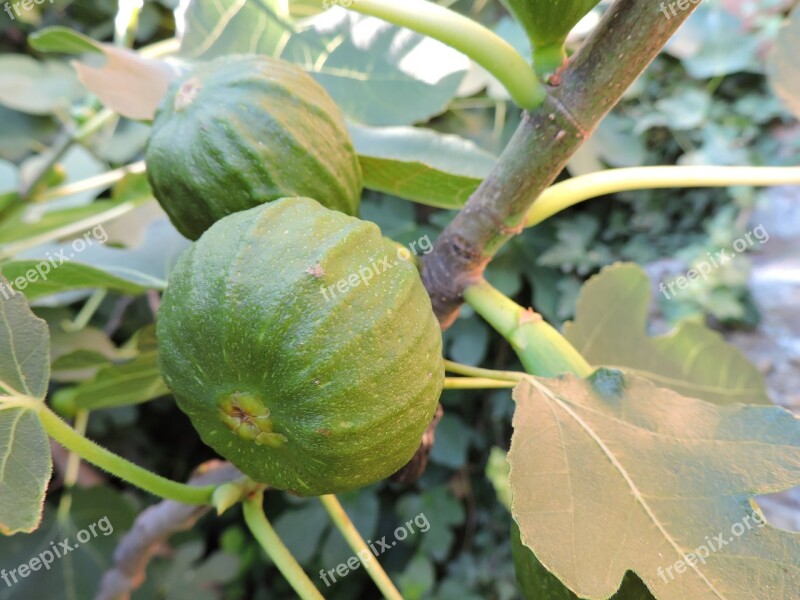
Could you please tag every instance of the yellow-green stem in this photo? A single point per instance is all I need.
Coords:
(116, 465)
(359, 546)
(476, 383)
(86, 313)
(98, 182)
(266, 536)
(541, 348)
(126, 22)
(459, 369)
(482, 45)
(72, 469)
(573, 191)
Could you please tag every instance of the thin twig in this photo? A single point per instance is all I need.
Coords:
(151, 530)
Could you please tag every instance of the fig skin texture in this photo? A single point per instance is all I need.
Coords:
(303, 391)
(243, 130)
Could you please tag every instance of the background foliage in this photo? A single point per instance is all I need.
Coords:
(704, 100)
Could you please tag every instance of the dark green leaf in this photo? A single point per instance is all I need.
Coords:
(420, 164)
(25, 463)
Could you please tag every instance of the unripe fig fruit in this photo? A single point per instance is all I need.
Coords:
(243, 130)
(302, 347)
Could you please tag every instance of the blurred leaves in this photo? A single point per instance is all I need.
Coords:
(125, 82)
(130, 270)
(784, 72)
(131, 382)
(713, 42)
(190, 574)
(37, 87)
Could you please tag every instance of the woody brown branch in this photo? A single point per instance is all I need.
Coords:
(626, 41)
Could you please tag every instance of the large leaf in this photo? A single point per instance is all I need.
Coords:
(214, 28)
(25, 463)
(378, 74)
(420, 164)
(613, 474)
(610, 330)
(782, 66)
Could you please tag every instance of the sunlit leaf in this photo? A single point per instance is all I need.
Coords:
(537, 583)
(63, 40)
(379, 74)
(214, 28)
(613, 474)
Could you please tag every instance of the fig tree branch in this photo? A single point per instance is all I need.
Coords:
(629, 37)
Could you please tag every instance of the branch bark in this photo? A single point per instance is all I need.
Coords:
(626, 41)
(152, 528)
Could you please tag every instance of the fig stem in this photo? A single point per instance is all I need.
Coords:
(72, 470)
(476, 383)
(266, 535)
(585, 187)
(93, 453)
(541, 348)
(482, 45)
(459, 369)
(359, 546)
(97, 182)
